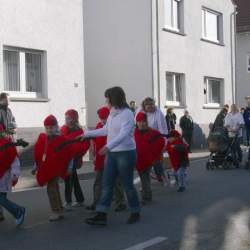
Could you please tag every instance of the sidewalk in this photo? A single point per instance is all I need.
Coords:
(28, 181)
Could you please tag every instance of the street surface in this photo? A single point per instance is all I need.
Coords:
(213, 214)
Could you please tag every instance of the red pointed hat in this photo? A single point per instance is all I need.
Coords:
(141, 116)
(103, 113)
(50, 121)
(174, 133)
(73, 114)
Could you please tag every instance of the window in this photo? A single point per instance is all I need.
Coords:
(248, 63)
(172, 14)
(211, 26)
(174, 89)
(23, 72)
(213, 92)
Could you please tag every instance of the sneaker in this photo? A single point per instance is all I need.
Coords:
(120, 208)
(68, 207)
(100, 219)
(77, 205)
(2, 217)
(56, 217)
(91, 208)
(133, 218)
(181, 189)
(20, 218)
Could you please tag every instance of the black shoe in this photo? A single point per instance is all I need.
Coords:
(2, 217)
(100, 219)
(145, 202)
(91, 208)
(133, 218)
(181, 189)
(121, 208)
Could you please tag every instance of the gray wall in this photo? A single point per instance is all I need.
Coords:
(118, 50)
(243, 77)
(195, 58)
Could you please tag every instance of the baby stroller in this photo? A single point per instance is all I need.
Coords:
(220, 145)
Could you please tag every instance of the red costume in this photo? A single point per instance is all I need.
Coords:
(178, 151)
(78, 149)
(51, 163)
(100, 142)
(7, 156)
(149, 145)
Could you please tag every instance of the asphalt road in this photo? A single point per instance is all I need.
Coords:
(214, 213)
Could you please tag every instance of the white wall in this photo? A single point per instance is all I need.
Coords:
(118, 50)
(55, 26)
(243, 77)
(196, 58)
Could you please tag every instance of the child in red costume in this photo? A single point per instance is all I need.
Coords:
(72, 130)
(178, 154)
(149, 146)
(51, 164)
(9, 174)
(98, 144)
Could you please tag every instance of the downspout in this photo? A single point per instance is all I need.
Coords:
(233, 53)
(156, 52)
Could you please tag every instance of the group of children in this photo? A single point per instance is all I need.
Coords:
(58, 153)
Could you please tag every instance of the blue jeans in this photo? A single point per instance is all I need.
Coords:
(120, 164)
(181, 175)
(10, 206)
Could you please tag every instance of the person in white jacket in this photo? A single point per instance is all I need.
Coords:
(120, 154)
(157, 121)
(234, 123)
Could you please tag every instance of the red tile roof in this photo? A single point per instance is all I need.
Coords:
(243, 16)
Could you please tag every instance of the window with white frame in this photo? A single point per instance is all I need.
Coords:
(213, 91)
(174, 89)
(172, 14)
(212, 28)
(248, 63)
(23, 72)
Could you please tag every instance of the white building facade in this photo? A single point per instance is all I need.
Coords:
(41, 60)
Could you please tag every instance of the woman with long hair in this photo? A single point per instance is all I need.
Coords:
(120, 152)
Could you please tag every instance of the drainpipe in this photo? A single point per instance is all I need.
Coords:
(233, 53)
(156, 51)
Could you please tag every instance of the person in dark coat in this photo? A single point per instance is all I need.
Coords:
(170, 119)
(246, 116)
(187, 127)
(219, 121)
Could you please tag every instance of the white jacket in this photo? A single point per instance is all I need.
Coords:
(234, 121)
(119, 130)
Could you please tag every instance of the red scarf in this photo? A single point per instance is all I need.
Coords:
(50, 163)
(99, 143)
(148, 149)
(78, 149)
(7, 156)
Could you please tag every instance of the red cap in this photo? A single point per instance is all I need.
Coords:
(1, 128)
(50, 121)
(103, 113)
(141, 116)
(73, 114)
(174, 133)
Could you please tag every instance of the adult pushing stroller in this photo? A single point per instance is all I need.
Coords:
(221, 147)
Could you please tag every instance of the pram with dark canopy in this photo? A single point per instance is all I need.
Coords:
(220, 145)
